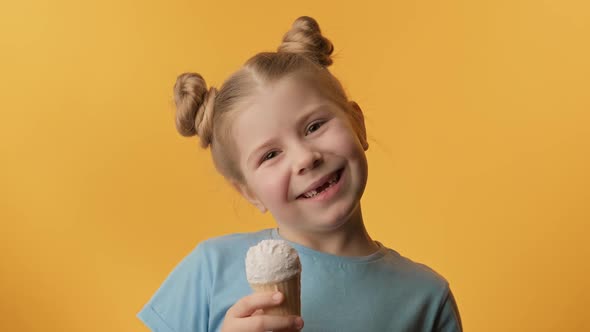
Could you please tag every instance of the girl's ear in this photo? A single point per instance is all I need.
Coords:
(359, 119)
(248, 195)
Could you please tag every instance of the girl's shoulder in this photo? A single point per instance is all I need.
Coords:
(227, 245)
(216, 256)
(414, 272)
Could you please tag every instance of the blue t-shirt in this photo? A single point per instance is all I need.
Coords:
(380, 292)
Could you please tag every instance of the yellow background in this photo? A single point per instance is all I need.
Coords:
(478, 114)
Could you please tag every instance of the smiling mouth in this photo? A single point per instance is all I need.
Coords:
(331, 181)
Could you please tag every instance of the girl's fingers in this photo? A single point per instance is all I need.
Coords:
(258, 312)
(247, 314)
(247, 305)
(271, 323)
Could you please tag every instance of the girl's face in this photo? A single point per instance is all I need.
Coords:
(300, 157)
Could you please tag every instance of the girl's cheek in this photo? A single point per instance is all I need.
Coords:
(344, 142)
(272, 183)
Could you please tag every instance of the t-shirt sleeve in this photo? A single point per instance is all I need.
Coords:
(182, 301)
(448, 319)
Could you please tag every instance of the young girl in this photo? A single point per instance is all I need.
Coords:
(284, 134)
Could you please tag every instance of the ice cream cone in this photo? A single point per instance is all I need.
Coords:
(291, 289)
(273, 265)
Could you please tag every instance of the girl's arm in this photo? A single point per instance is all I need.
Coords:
(182, 301)
(448, 319)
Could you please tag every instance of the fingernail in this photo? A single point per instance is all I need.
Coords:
(277, 296)
(298, 323)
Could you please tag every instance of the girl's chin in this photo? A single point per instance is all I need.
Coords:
(328, 219)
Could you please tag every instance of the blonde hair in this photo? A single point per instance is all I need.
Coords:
(304, 52)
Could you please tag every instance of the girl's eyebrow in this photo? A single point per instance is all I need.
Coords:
(301, 119)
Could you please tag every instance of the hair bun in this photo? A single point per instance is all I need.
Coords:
(306, 38)
(194, 107)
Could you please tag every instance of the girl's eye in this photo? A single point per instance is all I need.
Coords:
(313, 127)
(269, 155)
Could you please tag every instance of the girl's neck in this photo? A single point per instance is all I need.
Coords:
(350, 239)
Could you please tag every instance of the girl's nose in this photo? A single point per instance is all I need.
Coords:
(307, 160)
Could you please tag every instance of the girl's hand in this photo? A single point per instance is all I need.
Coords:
(246, 315)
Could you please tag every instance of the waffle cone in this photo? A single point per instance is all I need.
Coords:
(291, 289)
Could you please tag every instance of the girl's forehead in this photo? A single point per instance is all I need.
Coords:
(282, 101)
(287, 92)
